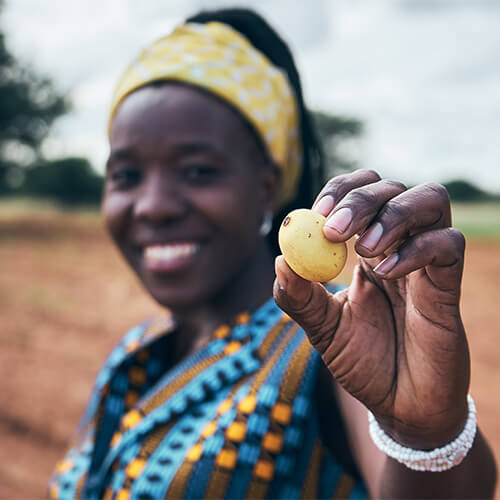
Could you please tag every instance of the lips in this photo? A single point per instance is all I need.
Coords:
(171, 256)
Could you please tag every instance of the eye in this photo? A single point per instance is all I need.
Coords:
(200, 173)
(124, 177)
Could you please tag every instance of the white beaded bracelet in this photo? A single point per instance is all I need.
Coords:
(436, 460)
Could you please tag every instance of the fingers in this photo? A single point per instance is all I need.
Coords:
(357, 209)
(418, 209)
(337, 187)
(441, 251)
(309, 304)
(383, 212)
(386, 215)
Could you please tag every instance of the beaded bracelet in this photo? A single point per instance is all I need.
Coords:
(436, 460)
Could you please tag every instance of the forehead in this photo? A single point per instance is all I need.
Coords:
(160, 114)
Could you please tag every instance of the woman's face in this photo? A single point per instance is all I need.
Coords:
(186, 190)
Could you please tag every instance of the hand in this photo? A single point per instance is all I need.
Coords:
(394, 339)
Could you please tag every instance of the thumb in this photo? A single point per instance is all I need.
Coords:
(315, 309)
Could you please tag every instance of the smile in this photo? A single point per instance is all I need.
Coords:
(169, 256)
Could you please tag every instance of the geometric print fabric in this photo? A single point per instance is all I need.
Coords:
(236, 419)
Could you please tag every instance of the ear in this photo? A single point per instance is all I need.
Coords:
(270, 185)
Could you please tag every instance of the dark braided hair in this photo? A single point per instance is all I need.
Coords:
(258, 32)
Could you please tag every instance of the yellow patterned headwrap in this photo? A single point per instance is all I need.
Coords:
(218, 58)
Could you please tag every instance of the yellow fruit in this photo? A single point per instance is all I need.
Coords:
(306, 249)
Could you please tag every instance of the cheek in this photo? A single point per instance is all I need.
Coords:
(235, 211)
(115, 209)
(236, 221)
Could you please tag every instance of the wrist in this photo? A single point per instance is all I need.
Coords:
(438, 459)
(434, 433)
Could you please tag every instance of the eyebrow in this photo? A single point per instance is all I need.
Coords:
(196, 147)
(182, 148)
(120, 154)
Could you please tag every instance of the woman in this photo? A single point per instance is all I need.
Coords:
(226, 397)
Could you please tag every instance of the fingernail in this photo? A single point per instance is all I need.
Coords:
(324, 206)
(340, 220)
(387, 264)
(371, 238)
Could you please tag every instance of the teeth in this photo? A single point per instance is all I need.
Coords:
(170, 252)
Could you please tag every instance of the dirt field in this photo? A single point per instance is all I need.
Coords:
(65, 300)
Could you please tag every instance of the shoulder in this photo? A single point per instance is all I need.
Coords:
(134, 339)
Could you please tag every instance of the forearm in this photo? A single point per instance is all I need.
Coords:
(386, 478)
(475, 477)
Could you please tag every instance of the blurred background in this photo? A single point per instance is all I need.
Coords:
(410, 88)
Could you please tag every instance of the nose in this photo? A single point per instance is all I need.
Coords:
(159, 200)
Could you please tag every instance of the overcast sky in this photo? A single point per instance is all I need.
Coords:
(424, 75)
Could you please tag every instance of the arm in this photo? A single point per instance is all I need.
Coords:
(475, 477)
(394, 340)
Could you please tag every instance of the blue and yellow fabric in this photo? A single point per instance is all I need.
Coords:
(236, 419)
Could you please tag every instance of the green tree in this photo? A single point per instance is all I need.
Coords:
(461, 190)
(334, 132)
(69, 181)
(29, 104)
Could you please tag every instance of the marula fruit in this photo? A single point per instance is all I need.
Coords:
(306, 249)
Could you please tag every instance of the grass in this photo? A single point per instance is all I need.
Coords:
(17, 206)
(477, 220)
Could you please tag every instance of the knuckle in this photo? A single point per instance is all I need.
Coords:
(340, 185)
(397, 209)
(332, 185)
(363, 196)
(396, 185)
(368, 173)
(422, 245)
(457, 238)
(438, 190)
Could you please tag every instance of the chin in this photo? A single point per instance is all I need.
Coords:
(179, 298)
(191, 287)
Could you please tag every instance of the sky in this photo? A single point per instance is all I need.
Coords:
(423, 75)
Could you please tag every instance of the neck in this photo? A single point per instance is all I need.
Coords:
(248, 290)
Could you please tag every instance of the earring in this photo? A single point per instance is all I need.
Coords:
(267, 223)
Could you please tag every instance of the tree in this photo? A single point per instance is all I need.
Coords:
(461, 190)
(70, 181)
(29, 104)
(335, 131)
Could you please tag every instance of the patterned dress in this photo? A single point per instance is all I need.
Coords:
(236, 419)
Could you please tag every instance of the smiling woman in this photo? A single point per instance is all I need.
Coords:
(230, 397)
(187, 190)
